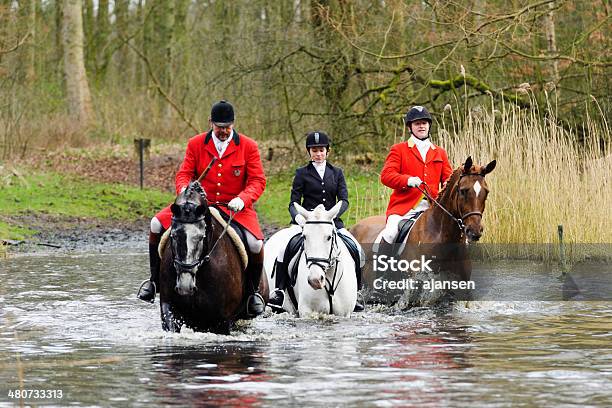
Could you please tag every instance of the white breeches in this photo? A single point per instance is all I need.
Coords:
(392, 227)
(156, 226)
(255, 244)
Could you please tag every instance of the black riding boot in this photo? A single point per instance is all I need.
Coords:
(359, 305)
(149, 287)
(255, 303)
(385, 248)
(278, 296)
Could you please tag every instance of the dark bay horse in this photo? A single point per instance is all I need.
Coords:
(202, 277)
(441, 234)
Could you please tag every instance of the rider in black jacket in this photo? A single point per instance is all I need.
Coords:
(316, 183)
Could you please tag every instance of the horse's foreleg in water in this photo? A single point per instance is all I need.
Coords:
(169, 322)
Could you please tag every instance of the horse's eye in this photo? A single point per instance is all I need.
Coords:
(329, 238)
(463, 192)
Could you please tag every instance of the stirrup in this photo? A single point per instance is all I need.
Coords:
(275, 307)
(263, 302)
(152, 300)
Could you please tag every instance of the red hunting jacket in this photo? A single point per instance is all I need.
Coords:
(404, 161)
(238, 173)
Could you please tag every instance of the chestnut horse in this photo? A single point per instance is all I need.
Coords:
(202, 277)
(441, 234)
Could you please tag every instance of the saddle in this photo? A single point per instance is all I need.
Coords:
(405, 226)
(294, 250)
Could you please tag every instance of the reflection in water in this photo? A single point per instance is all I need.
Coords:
(73, 323)
(191, 374)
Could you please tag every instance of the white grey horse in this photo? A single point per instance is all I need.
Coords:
(326, 281)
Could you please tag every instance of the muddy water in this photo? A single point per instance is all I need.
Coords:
(70, 323)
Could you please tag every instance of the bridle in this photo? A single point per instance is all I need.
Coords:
(182, 266)
(462, 218)
(191, 268)
(326, 263)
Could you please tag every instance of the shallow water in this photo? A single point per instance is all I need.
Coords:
(71, 322)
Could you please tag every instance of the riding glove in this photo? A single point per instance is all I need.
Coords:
(236, 204)
(414, 181)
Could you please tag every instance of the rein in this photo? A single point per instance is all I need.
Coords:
(206, 258)
(459, 221)
(320, 262)
(227, 225)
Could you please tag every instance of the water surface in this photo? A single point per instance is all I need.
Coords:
(71, 322)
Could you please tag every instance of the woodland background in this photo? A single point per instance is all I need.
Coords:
(73, 72)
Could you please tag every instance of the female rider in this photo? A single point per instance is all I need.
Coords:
(316, 183)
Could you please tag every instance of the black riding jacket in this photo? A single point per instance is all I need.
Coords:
(309, 190)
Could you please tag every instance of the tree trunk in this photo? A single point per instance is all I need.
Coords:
(89, 29)
(551, 41)
(77, 88)
(59, 52)
(30, 60)
(102, 46)
(140, 73)
(121, 27)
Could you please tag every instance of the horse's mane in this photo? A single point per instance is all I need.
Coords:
(446, 191)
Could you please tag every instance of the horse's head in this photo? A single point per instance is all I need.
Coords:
(188, 236)
(470, 193)
(320, 241)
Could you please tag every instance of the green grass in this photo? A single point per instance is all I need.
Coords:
(70, 196)
(14, 232)
(272, 206)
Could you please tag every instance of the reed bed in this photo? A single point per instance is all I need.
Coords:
(546, 176)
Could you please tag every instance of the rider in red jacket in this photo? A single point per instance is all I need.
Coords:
(236, 178)
(408, 165)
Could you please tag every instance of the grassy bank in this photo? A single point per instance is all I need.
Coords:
(68, 196)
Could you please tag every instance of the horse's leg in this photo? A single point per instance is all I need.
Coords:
(346, 293)
(169, 322)
(223, 327)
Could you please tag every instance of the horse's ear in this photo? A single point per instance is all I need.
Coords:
(468, 165)
(489, 167)
(333, 212)
(301, 210)
(176, 209)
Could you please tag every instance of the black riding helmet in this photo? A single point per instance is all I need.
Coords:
(317, 139)
(416, 113)
(222, 113)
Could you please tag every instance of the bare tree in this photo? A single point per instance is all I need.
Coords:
(77, 87)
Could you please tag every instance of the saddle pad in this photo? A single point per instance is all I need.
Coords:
(353, 250)
(405, 226)
(244, 258)
(292, 254)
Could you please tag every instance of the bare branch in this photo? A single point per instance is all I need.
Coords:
(178, 109)
(17, 45)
